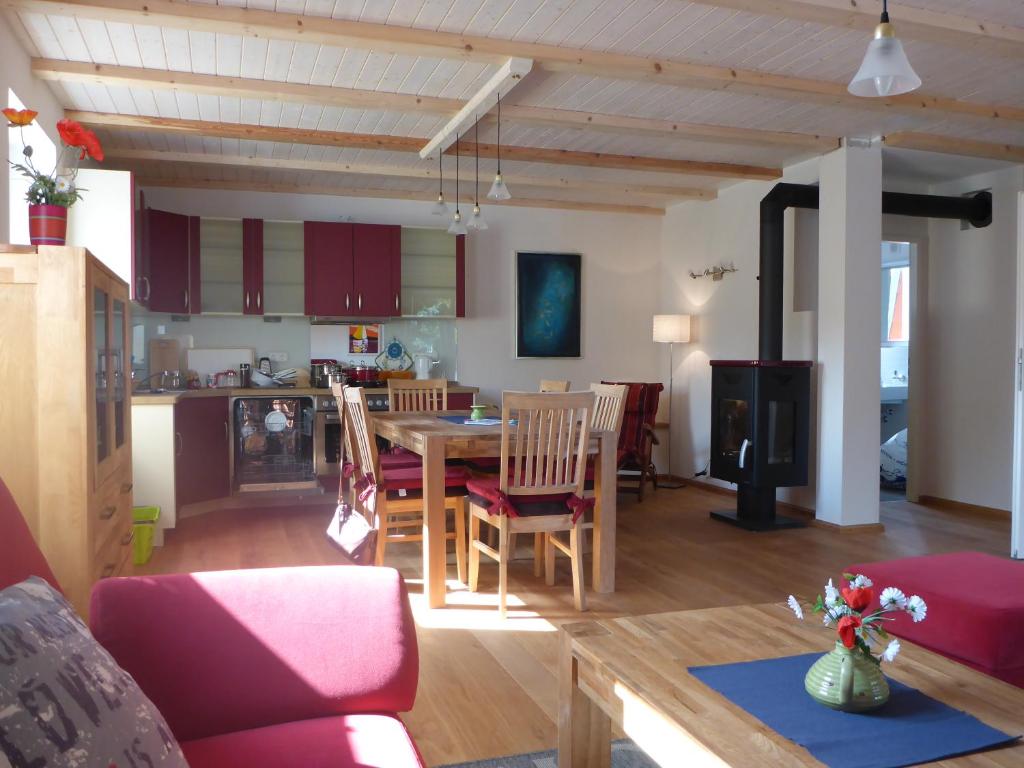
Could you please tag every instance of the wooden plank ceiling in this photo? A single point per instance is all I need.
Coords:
(630, 104)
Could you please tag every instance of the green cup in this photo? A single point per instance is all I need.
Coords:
(477, 412)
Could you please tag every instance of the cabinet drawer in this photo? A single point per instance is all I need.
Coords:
(112, 558)
(111, 507)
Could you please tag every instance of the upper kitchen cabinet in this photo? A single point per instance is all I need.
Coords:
(376, 250)
(352, 270)
(282, 269)
(329, 282)
(221, 266)
(171, 243)
(433, 273)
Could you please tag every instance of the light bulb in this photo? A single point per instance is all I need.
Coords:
(476, 221)
(440, 208)
(498, 189)
(457, 227)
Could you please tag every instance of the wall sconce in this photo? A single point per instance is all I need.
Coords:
(715, 273)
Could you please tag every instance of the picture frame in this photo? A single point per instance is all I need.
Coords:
(549, 304)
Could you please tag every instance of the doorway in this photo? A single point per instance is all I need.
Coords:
(894, 368)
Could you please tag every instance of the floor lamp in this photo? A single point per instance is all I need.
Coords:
(671, 330)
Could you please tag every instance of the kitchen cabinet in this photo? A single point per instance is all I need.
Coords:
(68, 459)
(252, 266)
(171, 243)
(282, 268)
(352, 270)
(202, 466)
(433, 273)
(221, 266)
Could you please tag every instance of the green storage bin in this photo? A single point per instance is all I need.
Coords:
(144, 521)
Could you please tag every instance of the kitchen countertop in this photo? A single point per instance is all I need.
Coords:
(170, 398)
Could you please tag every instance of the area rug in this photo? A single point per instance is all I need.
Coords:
(625, 754)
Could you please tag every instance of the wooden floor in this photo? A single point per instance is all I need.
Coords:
(488, 687)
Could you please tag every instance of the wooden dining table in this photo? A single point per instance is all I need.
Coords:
(436, 439)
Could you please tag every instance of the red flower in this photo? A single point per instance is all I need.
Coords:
(18, 118)
(858, 599)
(91, 145)
(71, 133)
(847, 628)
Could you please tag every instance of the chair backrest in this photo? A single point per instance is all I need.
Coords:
(418, 394)
(547, 449)
(552, 385)
(609, 405)
(359, 425)
(638, 415)
(347, 449)
(19, 555)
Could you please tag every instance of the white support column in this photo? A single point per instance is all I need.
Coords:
(849, 298)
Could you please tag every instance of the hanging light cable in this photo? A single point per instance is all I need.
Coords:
(476, 221)
(885, 70)
(498, 189)
(457, 226)
(440, 208)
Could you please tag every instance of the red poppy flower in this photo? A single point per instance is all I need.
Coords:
(858, 599)
(91, 145)
(71, 133)
(18, 118)
(847, 628)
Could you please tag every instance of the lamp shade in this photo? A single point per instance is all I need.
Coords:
(885, 70)
(672, 329)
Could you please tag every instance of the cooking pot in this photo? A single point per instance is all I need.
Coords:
(362, 372)
(320, 372)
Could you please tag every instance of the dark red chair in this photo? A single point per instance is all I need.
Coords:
(637, 438)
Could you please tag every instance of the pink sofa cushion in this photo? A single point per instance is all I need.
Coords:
(19, 555)
(366, 741)
(975, 607)
(235, 650)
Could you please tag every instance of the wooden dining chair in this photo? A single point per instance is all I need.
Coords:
(541, 491)
(418, 394)
(391, 498)
(553, 385)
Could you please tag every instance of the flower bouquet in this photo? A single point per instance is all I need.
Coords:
(51, 194)
(849, 677)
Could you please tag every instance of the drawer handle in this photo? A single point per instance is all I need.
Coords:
(108, 571)
(107, 512)
(126, 487)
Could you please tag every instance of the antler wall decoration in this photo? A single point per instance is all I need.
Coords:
(715, 273)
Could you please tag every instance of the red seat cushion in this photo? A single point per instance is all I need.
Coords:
(366, 741)
(975, 607)
(486, 491)
(411, 478)
(400, 460)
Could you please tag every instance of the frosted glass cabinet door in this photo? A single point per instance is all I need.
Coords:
(220, 265)
(283, 268)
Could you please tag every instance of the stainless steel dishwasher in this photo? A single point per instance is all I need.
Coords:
(272, 443)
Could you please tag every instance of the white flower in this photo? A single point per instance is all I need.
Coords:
(831, 595)
(917, 608)
(63, 184)
(892, 599)
(794, 606)
(891, 650)
(860, 580)
(837, 612)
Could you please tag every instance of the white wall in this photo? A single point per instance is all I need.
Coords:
(15, 73)
(969, 358)
(621, 255)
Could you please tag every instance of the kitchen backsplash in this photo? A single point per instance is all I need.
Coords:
(297, 338)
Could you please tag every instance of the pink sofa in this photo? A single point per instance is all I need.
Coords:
(283, 667)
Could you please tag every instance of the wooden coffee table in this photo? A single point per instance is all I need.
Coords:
(632, 671)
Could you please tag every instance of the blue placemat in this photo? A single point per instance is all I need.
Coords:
(910, 729)
(488, 422)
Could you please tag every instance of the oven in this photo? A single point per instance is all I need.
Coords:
(327, 430)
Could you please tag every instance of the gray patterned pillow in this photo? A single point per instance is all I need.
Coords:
(64, 702)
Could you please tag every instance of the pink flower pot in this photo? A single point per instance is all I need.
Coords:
(47, 224)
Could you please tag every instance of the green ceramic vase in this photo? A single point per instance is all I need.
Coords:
(847, 680)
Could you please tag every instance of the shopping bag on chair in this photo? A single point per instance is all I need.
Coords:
(353, 535)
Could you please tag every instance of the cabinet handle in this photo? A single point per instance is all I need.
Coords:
(227, 434)
(258, 299)
(346, 301)
(181, 444)
(108, 571)
(107, 512)
(360, 301)
(396, 302)
(145, 279)
(126, 487)
(186, 298)
(246, 299)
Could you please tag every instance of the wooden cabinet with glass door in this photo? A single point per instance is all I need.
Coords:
(65, 321)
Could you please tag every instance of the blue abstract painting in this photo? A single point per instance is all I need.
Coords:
(548, 304)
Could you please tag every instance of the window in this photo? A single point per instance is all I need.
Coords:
(895, 293)
(44, 157)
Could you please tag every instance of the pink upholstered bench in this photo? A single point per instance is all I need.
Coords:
(975, 608)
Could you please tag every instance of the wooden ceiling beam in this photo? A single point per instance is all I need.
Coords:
(390, 194)
(412, 144)
(973, 34)
(222, 85)
(950, 145)
(446, 45)
(427, 173)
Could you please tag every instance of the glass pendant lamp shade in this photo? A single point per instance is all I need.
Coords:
(458, 227)
(885, 70)
(477, 221)
(498, 189)
(440, 208)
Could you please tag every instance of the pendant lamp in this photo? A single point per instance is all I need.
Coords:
(885, 70)
(476, 221)
(440, 208)
(458, 227)
(498, 189)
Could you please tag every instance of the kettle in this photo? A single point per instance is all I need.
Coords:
(423, 363)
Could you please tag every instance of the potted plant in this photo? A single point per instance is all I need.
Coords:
(51, 194)
(849, 677)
